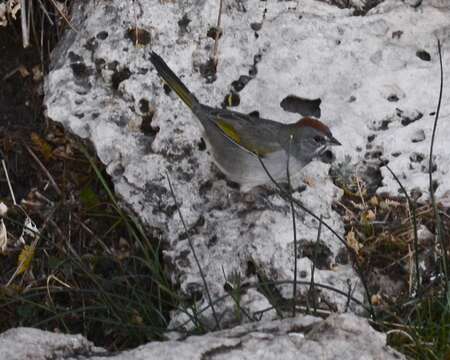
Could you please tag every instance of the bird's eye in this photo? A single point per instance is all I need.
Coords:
(319, 139)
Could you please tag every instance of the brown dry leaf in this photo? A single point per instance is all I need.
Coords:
(374, 201)
(375, 299)
(23, 71)
(353, 242)
(43, 146)
(369, 216)
(13, 6)
(37, 73)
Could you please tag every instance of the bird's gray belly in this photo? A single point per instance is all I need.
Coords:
(242, 166)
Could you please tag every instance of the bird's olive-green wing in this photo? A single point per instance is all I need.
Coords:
(254, 134)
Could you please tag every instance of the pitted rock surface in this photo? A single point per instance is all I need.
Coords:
(377, 79)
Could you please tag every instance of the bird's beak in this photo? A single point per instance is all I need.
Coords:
(333, 141)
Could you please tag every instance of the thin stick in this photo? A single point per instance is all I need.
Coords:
(9, 182)
(193, 252)
(440, 233)
(44, 169)
(63, 16)
(216, 40)
(358, 183)
(44, 10)
(136, 29)
(24, 25)
(294, 227)
(313, 266)
(350, 292)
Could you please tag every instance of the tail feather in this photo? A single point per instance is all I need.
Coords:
(172, 80)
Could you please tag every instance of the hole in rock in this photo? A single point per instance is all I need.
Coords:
(138, 36)
(407, 120)
(120, 76)
(317, 252)
(302, 106)
(202, 145)
(397, 34)
(208, 71)
(183, 24)
(251, 268)
(144, 106)
(113, 65)
(423, 55)
(79, 70)
(212, 241)
(239, 84)
(253, 70)
(393, 98)
(102, 35)
(99, 64)
(146, 125)
(213, 32)
(256, 26)
(416, 157)
(434, 185)
(167, 89)
(91, 44)
(231, 100)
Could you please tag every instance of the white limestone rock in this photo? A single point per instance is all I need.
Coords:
(342, 336)
(27, 343)
(375, 75)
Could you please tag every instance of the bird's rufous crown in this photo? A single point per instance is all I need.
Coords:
(314, 123)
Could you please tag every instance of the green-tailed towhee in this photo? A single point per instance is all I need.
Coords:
(236, 140)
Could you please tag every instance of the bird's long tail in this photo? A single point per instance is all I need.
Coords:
(172, 80)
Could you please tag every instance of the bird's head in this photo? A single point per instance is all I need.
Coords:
(309, 138)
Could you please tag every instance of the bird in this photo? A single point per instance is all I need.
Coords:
(240, 143)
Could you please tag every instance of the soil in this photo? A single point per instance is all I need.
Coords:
(20, 109)
(81, 235)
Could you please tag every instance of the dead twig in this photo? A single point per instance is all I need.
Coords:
(216, 40)
(439, 228)
(24, 24)
(44, 169)
(5, 169)
(63, 15)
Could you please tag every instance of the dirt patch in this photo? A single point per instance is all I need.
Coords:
(20, 95)
(84, 256)
(20, 107)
